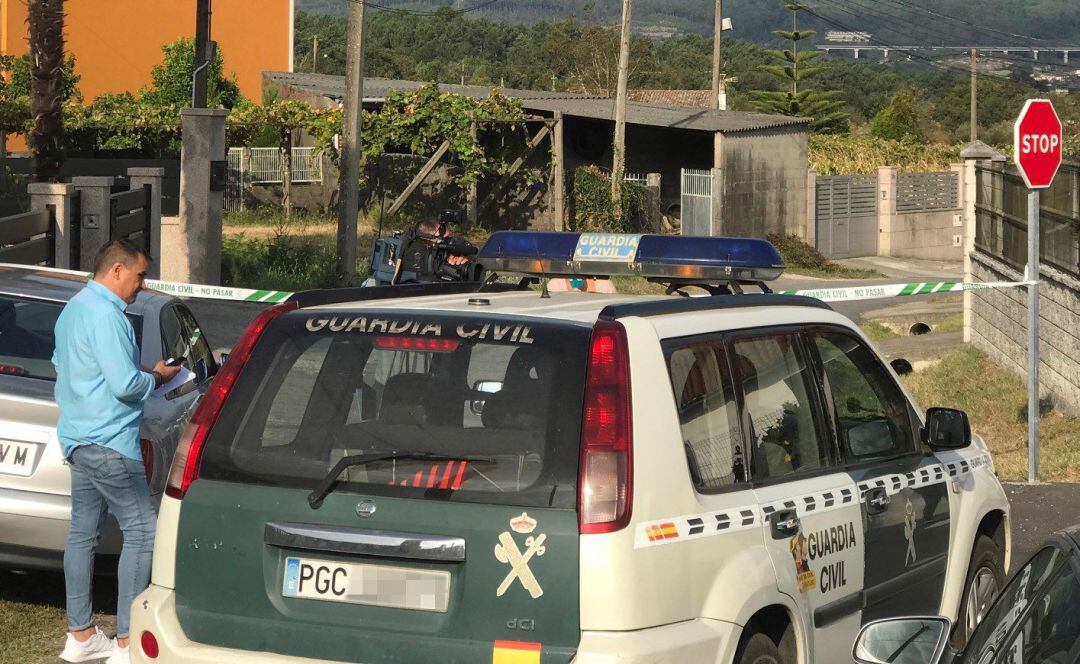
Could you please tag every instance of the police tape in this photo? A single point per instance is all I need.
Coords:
(844, 294)
(880, 291)
(180, 289)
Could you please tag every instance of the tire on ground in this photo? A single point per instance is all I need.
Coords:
(984, 555)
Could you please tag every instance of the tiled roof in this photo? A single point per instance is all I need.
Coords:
(692, 98)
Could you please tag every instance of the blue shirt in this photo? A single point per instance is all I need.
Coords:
(100, 388)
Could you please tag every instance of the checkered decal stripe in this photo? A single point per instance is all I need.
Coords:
(694, 526)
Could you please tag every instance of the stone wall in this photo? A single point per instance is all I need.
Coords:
(998, 326)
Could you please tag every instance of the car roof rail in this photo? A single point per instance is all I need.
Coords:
(324, 296)
(679, 305)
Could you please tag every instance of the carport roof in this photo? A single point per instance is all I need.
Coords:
(569, 103)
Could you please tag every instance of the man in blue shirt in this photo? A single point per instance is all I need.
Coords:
(100, 390)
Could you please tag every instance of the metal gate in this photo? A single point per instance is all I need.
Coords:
(696, 205)
(846, 215)
(234, 180)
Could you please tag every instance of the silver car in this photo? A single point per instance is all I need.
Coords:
(35, 483)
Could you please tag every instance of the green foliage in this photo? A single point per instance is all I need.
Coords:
(592, 204)
(800, 257)
(902, 118)
(846, 155)
(171, 79)
(792, 67)
(19, 71)
(282, 263)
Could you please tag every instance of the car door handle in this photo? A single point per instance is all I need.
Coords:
(785, 523)
(877, 501)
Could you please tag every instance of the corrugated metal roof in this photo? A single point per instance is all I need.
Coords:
(569, 103)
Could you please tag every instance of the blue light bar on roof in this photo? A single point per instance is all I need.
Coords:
(674, 258)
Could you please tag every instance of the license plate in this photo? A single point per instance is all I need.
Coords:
(18, 458)
(363, 583)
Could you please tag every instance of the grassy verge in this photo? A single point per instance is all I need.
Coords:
(32, 616)
(996, 402)
(878, 332)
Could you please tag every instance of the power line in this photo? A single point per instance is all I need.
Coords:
(965, 22)
(893, 20)
(438, 12)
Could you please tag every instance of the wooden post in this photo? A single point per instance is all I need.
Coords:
(618, 166)
(349, 175)
(493, 195)
(558, 166)
(420, 177)
(716, 188)
(717, 78)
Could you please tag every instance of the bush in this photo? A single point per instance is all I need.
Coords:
(847, 155)
(592, 204)
(802, 258)
(901, 118)
(283, 263)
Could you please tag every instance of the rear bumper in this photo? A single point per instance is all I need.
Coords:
(155, 611)
(34, 530)
(687, 642)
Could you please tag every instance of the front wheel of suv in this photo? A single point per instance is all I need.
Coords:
(985, 579)
(759, 648)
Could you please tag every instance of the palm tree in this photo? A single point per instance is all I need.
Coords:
(46, 19)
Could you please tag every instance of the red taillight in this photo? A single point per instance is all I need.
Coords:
(149, 645)
(432, 344)
(147, 450)
(605, 491)
(185, 465)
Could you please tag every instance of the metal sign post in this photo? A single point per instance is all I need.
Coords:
(1037, 151)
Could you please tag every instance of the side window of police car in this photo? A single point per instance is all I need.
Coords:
(786, 435)
(708, 418)
(870, 410)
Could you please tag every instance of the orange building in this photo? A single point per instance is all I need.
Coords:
(117, 42)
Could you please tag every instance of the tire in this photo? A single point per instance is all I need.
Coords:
(759, 649)
(984, 582)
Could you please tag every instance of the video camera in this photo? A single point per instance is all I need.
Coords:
(415, 256)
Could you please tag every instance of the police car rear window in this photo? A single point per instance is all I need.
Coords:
(501, 399)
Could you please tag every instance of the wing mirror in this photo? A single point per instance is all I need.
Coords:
(485, 387)
(946, 429)
(902, 641)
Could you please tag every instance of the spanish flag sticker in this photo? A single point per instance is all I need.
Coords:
(516, 652)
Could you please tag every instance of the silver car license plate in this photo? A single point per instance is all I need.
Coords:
(18, 458)
(363, 583)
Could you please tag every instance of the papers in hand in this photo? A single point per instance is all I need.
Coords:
(183, 376)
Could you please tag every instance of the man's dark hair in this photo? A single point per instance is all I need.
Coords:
(118, 251)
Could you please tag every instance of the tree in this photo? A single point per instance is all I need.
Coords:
(901, 118)
(46, 19)
(171, 79)
(793, 66)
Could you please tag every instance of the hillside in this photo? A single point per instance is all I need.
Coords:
(909, 22)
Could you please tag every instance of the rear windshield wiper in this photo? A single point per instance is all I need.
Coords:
(319, 493)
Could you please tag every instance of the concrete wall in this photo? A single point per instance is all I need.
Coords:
(765, 177)
(937, 235)
(998, 326)
(117, 168)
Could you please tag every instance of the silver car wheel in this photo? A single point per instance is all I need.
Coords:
(982, 592)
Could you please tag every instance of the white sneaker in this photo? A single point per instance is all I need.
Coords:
(119, 655)
(96, 647)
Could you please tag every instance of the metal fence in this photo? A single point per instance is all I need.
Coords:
(1001, 217)
(696, 202)
(846, 215)
(263, 165)
(918, 192)
(639, 178)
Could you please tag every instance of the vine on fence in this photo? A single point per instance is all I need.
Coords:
(593, 211)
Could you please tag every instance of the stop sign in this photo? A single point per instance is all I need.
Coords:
(1037, 143)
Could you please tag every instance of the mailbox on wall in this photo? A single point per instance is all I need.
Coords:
(218, 174)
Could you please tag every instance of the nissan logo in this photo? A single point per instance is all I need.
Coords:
(365, 508)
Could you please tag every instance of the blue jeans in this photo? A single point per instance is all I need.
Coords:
(103, 478)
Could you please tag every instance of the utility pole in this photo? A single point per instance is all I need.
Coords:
(974, 104)
(717, 78)
(618, 166)
(314, 53)
(202, 66)
(349, 178)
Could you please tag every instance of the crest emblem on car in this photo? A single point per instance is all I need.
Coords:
(523, 524)
(365, 509)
